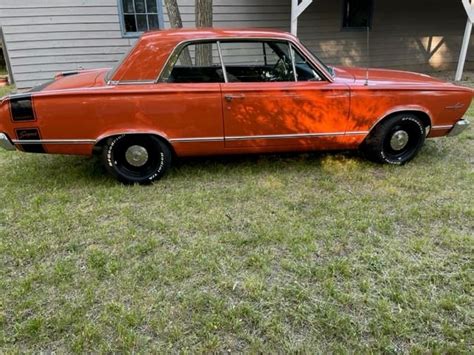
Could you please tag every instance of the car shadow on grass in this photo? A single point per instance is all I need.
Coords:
(71, 170)
(238, 160)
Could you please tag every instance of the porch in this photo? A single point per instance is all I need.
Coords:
(418, 35)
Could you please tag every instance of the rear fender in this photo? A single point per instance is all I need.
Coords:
(114, 133)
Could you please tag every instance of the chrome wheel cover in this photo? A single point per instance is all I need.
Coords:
(136, 156)
(399, 140)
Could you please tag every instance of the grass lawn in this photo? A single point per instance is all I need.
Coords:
(314, 252)
(5, 90)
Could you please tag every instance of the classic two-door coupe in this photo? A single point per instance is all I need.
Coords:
(206, 92)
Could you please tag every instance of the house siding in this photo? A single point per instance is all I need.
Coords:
(241, 13)
(47, 36)
(417, 35)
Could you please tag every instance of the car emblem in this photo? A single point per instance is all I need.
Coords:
(457, 106)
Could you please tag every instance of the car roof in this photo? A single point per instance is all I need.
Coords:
(151, 52)
(183, 34)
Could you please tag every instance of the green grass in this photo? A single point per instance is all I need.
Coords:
(5, 90)
(3, 70)
(314, 252)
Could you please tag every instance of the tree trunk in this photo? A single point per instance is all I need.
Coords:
(203, 13)
(204, 19)
(174, 14)
(176, 22)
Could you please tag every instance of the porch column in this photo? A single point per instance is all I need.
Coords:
(296, 10)
(469, 7)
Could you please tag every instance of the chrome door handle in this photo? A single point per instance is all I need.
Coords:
(294, 96)
(229, 97)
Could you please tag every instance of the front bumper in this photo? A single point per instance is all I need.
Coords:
(5, 143)
(459, 127)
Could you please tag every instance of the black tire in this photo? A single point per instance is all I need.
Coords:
(396, 140)
(136, 159)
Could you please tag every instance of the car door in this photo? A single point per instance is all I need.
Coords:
(273, 96)
(188, 100)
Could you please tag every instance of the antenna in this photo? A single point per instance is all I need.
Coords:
(368, 57)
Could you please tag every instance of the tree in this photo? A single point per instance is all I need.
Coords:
(204, 19)
(203, 13)
(203, 10)
(176, 22)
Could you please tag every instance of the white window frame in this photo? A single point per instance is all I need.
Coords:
(121, 14)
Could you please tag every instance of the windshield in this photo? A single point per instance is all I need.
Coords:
(316, 58)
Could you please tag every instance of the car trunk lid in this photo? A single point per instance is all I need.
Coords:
(75, 80)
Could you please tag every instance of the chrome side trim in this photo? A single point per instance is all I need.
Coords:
(4, 138)
(357, 133)
(287, 136)
(5, 142)
(437, 128)
(459, 127)
(133, 82)
(196, 139)
(53, 141)
(269, 136)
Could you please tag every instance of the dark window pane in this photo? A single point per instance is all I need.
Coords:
(153, 21)
(141, 23)
(145, 15)
(357, 13)
(151, 6)
(140, 6)
(130, 25)
(197, 63)
(245, 61)
(304, 71)
(128, 6)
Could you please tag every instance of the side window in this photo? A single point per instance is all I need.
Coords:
(257, 61)
(195, 63)
(269, 55)
(304, 70)
(138, 16)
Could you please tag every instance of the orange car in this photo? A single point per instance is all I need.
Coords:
(208, 91)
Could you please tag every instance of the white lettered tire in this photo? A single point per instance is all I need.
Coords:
(136, 158)
(396, 140)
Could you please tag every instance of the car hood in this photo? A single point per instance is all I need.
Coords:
(75, 80)
(385, 76)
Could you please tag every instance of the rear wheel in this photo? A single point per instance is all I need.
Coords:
(395, 140)
(136, 159)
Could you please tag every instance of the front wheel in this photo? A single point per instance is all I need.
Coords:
(136, 159)
(395, 140)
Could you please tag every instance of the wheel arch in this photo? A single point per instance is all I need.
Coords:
(102, 140)
(421, 113)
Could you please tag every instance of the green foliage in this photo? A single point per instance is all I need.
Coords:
(311, 253)
(5, 90)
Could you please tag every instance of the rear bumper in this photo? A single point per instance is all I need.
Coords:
(5, 143)
(459, 127)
